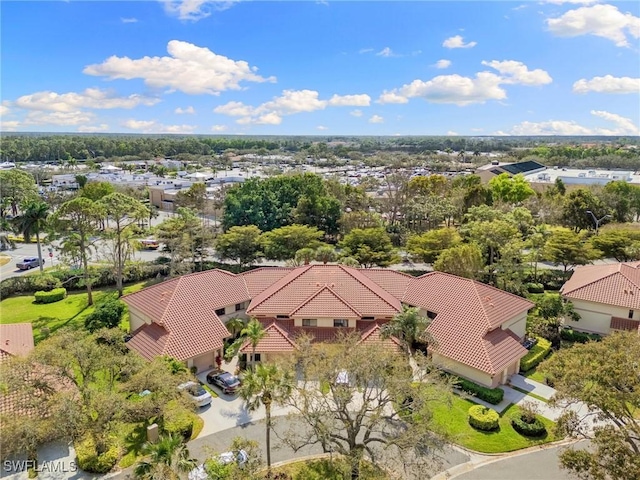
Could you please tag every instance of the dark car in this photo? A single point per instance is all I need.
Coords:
(224, 380)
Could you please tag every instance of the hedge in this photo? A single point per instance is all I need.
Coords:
(537, 353)
(492, 395)
(54, 295)
(535, 287)
(90, 461)
(178, 420)
(483, 418)
(579, 337)
(535, 429)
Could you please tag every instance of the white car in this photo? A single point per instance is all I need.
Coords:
(198, 394)
(240, 457)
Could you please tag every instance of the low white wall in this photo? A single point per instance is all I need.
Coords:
(596, 317)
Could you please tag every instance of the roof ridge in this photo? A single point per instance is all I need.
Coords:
(352, 272)
(484, 310)
(592, 281)
(624, 274)
(315, 294)
(259, 301)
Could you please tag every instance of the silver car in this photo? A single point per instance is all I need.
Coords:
(198, 394)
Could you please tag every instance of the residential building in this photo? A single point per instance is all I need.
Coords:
(607, 297)
(477, 329)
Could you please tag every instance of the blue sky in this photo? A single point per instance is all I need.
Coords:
(325, 68)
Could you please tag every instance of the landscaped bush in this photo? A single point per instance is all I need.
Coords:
(535, 288)
(178, 420)
(527, 426)
(491, 395)
(483, 418)
(91, 461)
(106, 315)
(54, 295)
(537, 353)
(579, 337)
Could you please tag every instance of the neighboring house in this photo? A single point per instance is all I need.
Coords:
(607, 297)
(477, 329)
(16, 340)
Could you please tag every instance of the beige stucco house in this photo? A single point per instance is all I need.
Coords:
(607, 297)
(477, 329)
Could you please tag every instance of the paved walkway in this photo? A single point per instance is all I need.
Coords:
(531, 386)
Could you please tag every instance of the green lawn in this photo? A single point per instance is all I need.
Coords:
(327, 469)
(452, 419)
(534, 374)
(68, 312)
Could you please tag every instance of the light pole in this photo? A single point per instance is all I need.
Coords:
(597, 220)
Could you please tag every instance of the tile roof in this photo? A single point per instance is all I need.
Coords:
(616, 284)
(627, 324)
(149, 340)
(467, 311)
(372, 336)
(469, 314)
(357, 290)
(276, 340)
(16, 338)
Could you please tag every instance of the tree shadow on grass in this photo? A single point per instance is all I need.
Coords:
(43, 327)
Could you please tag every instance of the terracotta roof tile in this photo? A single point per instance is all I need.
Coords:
(260, 279)
(149, 340)
(324, 303)
(16, 338)
(372, 336)
(396, 283)
(616, 284)
(627, 324)
(275, 340)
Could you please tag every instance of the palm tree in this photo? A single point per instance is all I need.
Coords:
(32, 220)
(254, 332)
(235, 325)
(267, 384)
(326, 254)
(166, 460)
(408, 326)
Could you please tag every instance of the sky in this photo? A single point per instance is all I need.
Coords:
(474, 68)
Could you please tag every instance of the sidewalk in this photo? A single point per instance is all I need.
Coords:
(532, 386)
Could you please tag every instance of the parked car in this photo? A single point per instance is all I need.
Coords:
(227, 382)
(198, 394)
(240, 457)
(29, 262)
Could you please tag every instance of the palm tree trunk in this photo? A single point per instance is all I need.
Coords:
(39, 250)
(120, 263)
(85, 266)
(253, 357)
(267, 408)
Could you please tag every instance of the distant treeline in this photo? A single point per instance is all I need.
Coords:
(60, 147)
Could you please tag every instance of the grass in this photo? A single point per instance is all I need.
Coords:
(327, 469)
(69, 312)
(208, 389)
(452, 419)
(535, 375)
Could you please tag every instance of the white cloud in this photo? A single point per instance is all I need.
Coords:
(365, 50)
(289, 103)
(519, 73)
(194, 10)
(451, 133)
(129, 20)
(463, 91)
(9, 126)
(72, 101)
(152, 126)
(58, 118)
(392, 97)
(362, 100)
(457, 42)
(607, 84)
(4, 110)
(623, 126)
(600, 20)
(385, 52)
(182, 111)
(218, 128)
(322, 127)
(443, 64)
(103, 127)
(189, 69)
(376, 119)
(355, 113)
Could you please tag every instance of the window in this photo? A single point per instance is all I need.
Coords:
(256, 357)
(431, 315)
(283, 317)
(220, 311)
(630, 313)
(368, 318)
(340, 322)
(309, 322)
(239, 306)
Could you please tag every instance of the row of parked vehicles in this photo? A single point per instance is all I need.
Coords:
(225, 381)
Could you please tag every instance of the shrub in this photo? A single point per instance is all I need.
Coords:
(525, 425)
(579, 337)
(537, 353)
(483, 418)
(535, 288)
(91, 461)
(492, 395)
(45, 282)
(178, 420)
(54, 295)
(106, 315)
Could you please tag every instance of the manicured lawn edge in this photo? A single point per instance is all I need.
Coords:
(522, 390)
